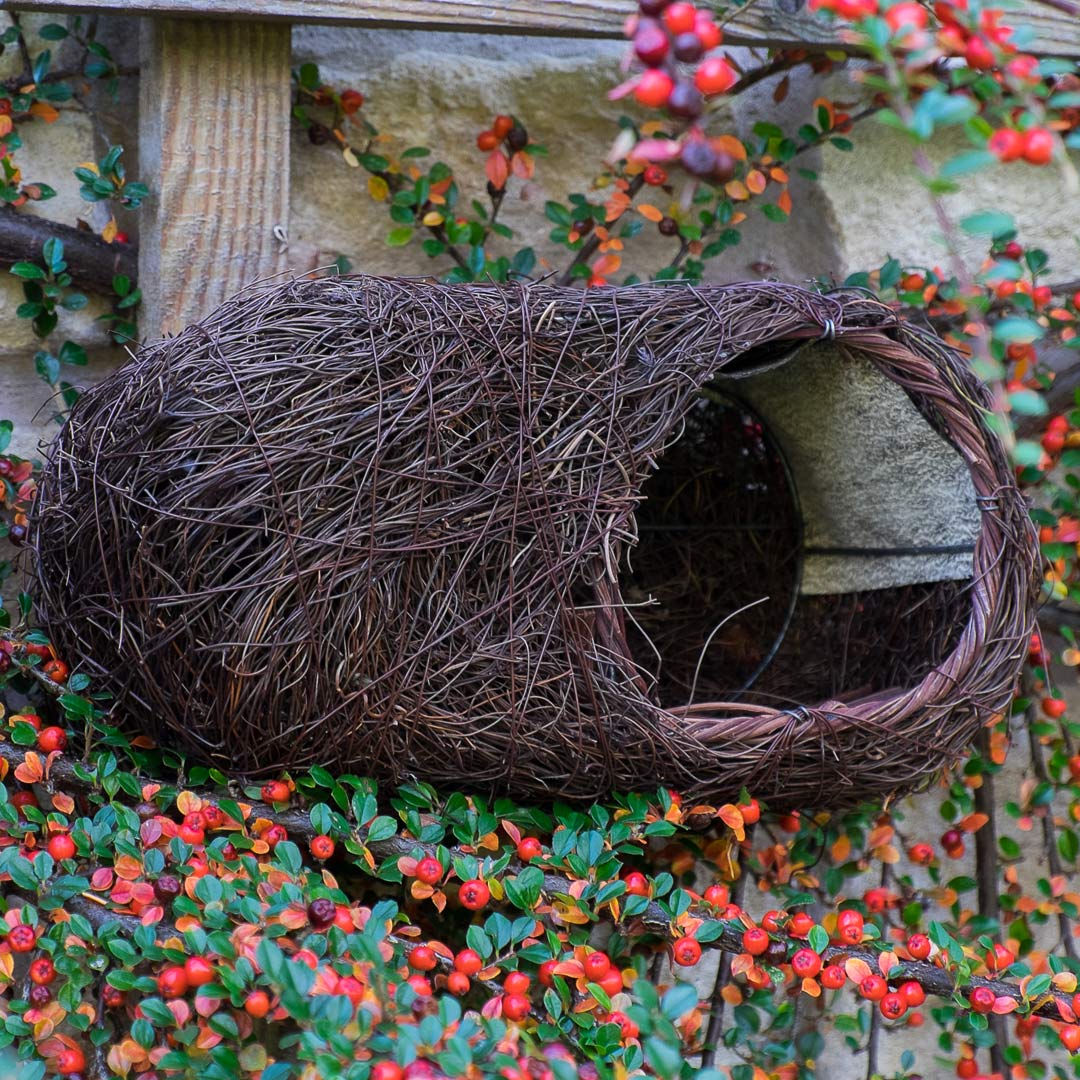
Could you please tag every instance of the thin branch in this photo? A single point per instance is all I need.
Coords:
(92, 262)
(986, 874)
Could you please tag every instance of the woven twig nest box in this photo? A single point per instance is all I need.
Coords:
(391, 527)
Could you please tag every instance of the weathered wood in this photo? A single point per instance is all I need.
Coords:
(214, 131)
(767, 22)
(91, 262)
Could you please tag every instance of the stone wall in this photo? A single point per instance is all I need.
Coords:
(440, 90)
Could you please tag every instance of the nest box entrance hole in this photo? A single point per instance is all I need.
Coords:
(712, 590)
(714, 579)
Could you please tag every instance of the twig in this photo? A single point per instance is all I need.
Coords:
(986, 876)
(1038, 766)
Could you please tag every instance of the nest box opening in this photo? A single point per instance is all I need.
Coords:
(768, 569)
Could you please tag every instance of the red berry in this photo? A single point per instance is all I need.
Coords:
(21, 938)
(429, 870)
(458, 983)
(680, 18)
(718, 895)
(755, 940)
(751, 812)
(422, 958)
(387, 1070)
(274, 835)
(56, 670)
(213, 816)
(771, 921)
(1006, 144)
(52, 738)
(650, 43)
(806, 963)
(468, 962)
(999, 957)
(529, 848)
(502, 126)
(800, 924)
(686, 952)
(474, 894)
(351, 100)
(982, 999)
(918, 945)
(322, 847)
(517, 982)
(923, 854)
(892, 1006)
(546, 974)
(654, 175)
(276, 791)
(850, 927)
(1054, 707)
(912, 993)
(42, 971)
(654, 88)
(486, 141)
(257, 1004)
(1070, 1037)
(199, 970)
(714, 76)
(978, 54)
(612, 982)
(122, 238)
(833, 977)
(597, 965)
(70, 1060)
(636, 883)
(873, 988)
(908, 13)
(627, 1028)
(515, 1006)
(1038, 146)
(61, 846)
(707, 32)
(172, 982)
(966, 1068)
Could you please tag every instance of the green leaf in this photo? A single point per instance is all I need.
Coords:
(818, 938)
(1018, 330)
(28, 271)
(400, 236)
(988, 223)
(53, 32)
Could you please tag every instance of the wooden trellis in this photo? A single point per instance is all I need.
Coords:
(223, 174)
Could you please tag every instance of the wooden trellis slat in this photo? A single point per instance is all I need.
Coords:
(765, 22)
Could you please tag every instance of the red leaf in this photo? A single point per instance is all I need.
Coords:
(497, 169)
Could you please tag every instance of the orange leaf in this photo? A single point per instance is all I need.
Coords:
(811, 987)
(732, 817)
(857, 969)
(44, 111)
(887, 961)
(974, 822)
(63, 803)
(497, 169)
(736, 190)
(756, 181)
(732, 994)
(6, 124)
(187, 802)
(607, 264)
(649, 212)
(778, 174)
(1004, 1005)
(841, 849)
(521, 165)
(742, 964)
(31, 770)
(784, 202)
(730, 145)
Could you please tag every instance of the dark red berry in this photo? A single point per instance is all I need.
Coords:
(167, 887)
(685, 101)
(321, 912)
(688, 48)
(698, 157)
(40, 996)
(518, 138)
(650, 43)
(668, 226)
